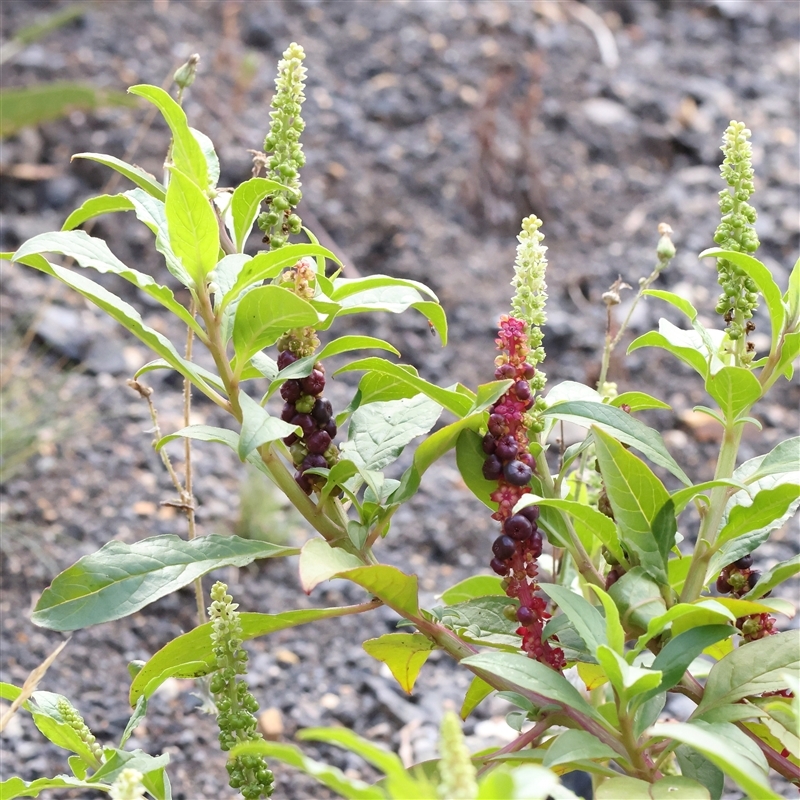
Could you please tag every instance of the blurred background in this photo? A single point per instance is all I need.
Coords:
(432, 128)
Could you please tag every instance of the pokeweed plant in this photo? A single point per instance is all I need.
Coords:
(619, 604)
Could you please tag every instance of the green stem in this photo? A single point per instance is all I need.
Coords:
(640, 768)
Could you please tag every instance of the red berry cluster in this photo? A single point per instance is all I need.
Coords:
(738, 579)
(511, 465)
(313, 414)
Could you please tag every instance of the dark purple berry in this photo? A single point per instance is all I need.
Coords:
(526, 458)
(745, 562)
(288, 412)
(285, 358)
(723, 587)
(525, 615)
(314, 461)
(518, 527)
(330, 428)
(322, 411)
(497, 424)
(507, 448)
(522, 390)
(492, 468)
(517, 473)
(500, 567)
(305, 422)
(290, 391)
(489, 444)
(505, 372)
(303, 482)
(531, 513)
(528, 371)
(535, 543)
(291, 439)
(612, 577)
(314, 383)
(753, 578)
(504, 547)
(318, 442)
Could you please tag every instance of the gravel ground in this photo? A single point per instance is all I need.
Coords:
(432, 128)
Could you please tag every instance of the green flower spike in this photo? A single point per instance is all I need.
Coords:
(75, 721)
(284, 149)
(531, 292)
(457, 777)
(739, 297)
(235, 705)
(128, 786)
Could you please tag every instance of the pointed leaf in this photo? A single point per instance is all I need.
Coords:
(144, 180)
(576, 746)
(696, 766)
(681, 303)
(371, 286)
(396, 589)
(638, 598)
(210, 155)
(245, 203)
(380, 758)
(403, 653)
(614, 629)
(470, 588)
(478, 691)
(735, 389)
(627, 680)
(94, 207)
(687, 346)
(120, 578)
(774, 577)
(470, 458)
(258, 427)
(16, 787)
(638, 401)
(583, 615)
(43, 707)
(768, 505)
(320, 562)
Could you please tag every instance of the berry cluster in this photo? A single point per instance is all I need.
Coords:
(313, 414)
(511, 465)
(738, 579)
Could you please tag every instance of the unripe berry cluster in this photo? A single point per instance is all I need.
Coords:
(305, 407)
(72, 717)
(737, 579)
(511, 465)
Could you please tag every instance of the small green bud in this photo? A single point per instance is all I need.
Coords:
(185, 74)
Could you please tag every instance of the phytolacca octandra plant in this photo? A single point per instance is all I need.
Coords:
(737, 579)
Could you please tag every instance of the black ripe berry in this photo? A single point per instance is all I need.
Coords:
(489, 443)
(518, 527)
(314, 383)
(290, 439)
(305, 422)
(318, 442)
(322, 410)
(314, 461)
(290, 391)
(492, 468)
(535, 543)
(500, 567)
(723, 587)
(497, 424)
(525, 615)
(531, 513)
(303, 482)
(330, 428)
(504, 547)
(753, 578)
(522, 390)
(745, 562)
(288, 412)
(517, 473)
(507, 449)
(505, 372)
(286, 358)
(528, 371)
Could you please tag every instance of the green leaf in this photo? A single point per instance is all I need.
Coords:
(453, 401)
(191, 655)
(43, 707)
(627, 680)
(263, 315)
(763, 280)
(681, 303)
(379, 432)
(714, 742)
(482, 621)
(120, 578)
(620, 425)
(320, 562)
(588, 621)
(192, 225)
(638, 401)
(328, 776)
(94, 207)
(470, 588)
(368, 289)
(478, 691)
(531, 676)
(614, 629)
(380, 758)
(144, 180)
(696, 766)
(436, 317)
(489, 393)
(789, 354)
(187, 154)
(577, 746)
(774, 577)
(784, 458)
(245, 203)
(768, 506)
(638, 598)
(751, 668)
(687, 346)
(648, 710)
(403, 653)
(675, 787)
(396, 589)
(16, 787)
(735, 389)
(258, 427)
(683, 497)
(210, 155)
(93, 253)
(470, 459)
(139, 713)
(637, 498)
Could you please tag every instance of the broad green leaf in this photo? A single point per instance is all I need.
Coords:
(378, 432)
(192, 225)
(482, 621)
(774, 577)
(681, 303)
(784, 458)
(523, 672)
(763, 280)
(380, 758)
(320, 562)
(768, 505)
(638, 598)
(638, 401)
(331, 777)
(576, 746)
(637, 498)
(697, 612)
(627, 680)
(453, 401)
(144, 180)
(396, 589)
(696, 766)
(191, 655)
(119, 579)
(263, 315)
(683, 497)
(245, 203)
(790, 351)
(94, 207)
(187, 154)
(118, 760)
(210, 155)
(470, 459)
(16, 787)
(588, 621)
(139, 713)
(674, 787)
(478, 691)
(489, 393)
(92, 253)
(792, 296)
(735, 389)
(258, 427)
(123, 313)
(687, 346)
(751, 668)
(648, 710)
(614, 629)
(369, 286)
(622, 426)
(718, 749)
(436, 317)
(470, 588)
(403, 653)
(43, 707)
